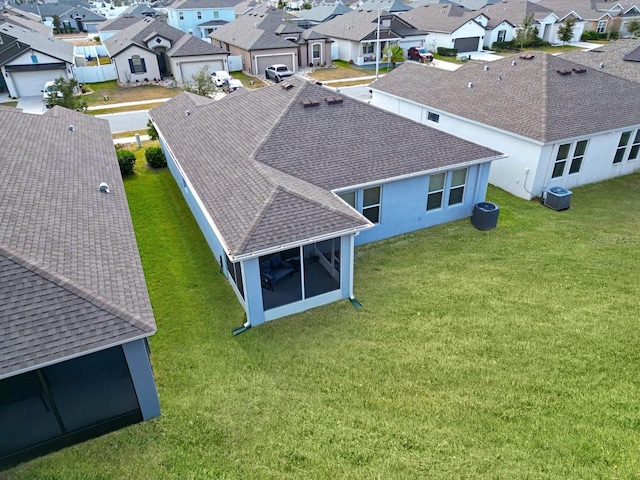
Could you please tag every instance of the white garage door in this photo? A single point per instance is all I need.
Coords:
(30, 84)
(189, 69)
(264, 62)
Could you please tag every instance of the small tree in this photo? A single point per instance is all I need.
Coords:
(155, 157)
(526, 32)
(56, 23)
(63, 93)
(151, 131)
(126, 159)
(307, 6)
(202, 83)
(393, 54)
(565, 31)
(633, 27)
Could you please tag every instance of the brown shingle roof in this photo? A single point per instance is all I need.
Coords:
(529, 99)
(71, 279)
(264, 184)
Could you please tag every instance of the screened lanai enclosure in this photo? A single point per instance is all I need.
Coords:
(300, 273)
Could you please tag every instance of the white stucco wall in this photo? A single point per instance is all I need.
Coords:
(528, 169)
(124, 72)
(491, 36)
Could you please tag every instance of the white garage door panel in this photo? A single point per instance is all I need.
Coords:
(264, 62)
(30, 84)
(189, 69)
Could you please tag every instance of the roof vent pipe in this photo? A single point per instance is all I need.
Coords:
(104, 188)
(513, 63)
(486, 68)
(470, 85)
(601, 64)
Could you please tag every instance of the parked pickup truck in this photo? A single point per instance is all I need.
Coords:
(277, 72)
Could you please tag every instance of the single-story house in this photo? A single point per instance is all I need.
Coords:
(75, 314)
(73, 14)
(449, 26)
(29, 59)
(282, 209)
(561, 123)
(620, 58)
(189, 15)
(267, 36)
(150, 49)
(360, 35)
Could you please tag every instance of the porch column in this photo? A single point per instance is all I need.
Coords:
(142, 377)
(253, 291)
(346, 265)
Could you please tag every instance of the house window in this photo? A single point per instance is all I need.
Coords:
(315, 52)
(136, 64)
(216, 14)
(561, 160)
(622, 147)
(502, 34)
(199, 14)
(578, 155)
(34, 59)
(181, 15)
(436, 191)
(367, 48)
(434, 117)
(456, 191)
(371, 204)
(602, 26)
(349, 197)
(635, 147)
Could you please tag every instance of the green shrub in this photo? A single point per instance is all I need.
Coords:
(151, 131)
(503, 46)
(591, 35)
(614, 35)
(155, 157)
(126, 159)
(447, 52)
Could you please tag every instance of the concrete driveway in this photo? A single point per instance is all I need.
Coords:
(32, 105)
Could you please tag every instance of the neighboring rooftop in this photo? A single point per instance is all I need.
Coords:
(529, 98)
(119, 23)
(267, 190)
(620, 58)
(438, 18)
(71, 279)
(203, 4)
(42, 43)
(182, 44)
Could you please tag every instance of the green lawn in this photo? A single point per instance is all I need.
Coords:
(506, 354)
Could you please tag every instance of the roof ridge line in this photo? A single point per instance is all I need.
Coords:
(257, 217)
(544, 126)
(76, 289)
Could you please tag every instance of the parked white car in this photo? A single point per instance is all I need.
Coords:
(220, 77)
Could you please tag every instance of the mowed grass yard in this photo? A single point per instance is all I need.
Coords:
(505, 354)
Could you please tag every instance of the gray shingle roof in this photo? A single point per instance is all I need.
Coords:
(42, 43)
(71, 279)
(586, 9)
(612, 55)
(438, 18)
(256, 30)
(203, 4)
(529, 99)
(182, 44)
(354, 25)
(24, 22)
(118, 23)
(265, 186)
(513, 11)
(323, 12)
(389, 5)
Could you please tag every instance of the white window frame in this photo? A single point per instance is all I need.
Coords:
(440, 191)
(180, 15)
(561, 160)
(199, 15)
(634, 148)
(621, 149)
(602, 26)
(373, 205)
(578, 157)
(462, 186)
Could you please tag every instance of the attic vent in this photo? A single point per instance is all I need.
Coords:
(286, 86)
(513, 63)
(333, 100)
(486, 68)
(579, 70)
(72, 128)
(104, 188)
(564, 72)
(187, 113)
(310, 103)
(601, 64)
(527, 56)
(470, 85)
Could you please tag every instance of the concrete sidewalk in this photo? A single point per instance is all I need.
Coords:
(127, 104)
